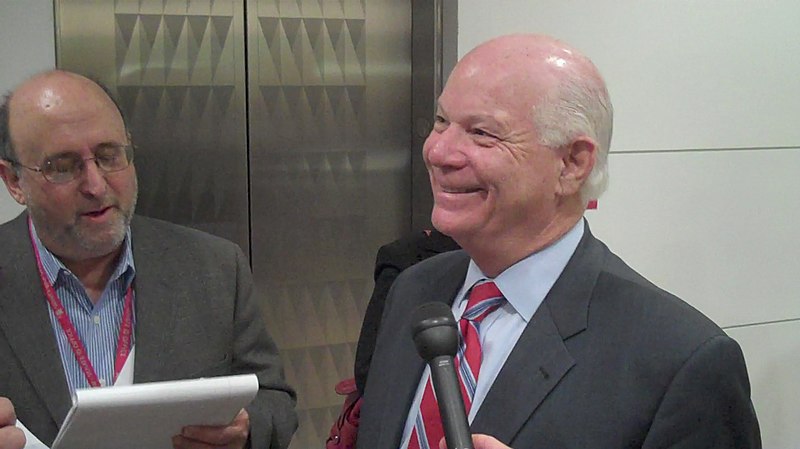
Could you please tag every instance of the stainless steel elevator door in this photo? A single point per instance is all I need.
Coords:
(283, 125)
(330, 177)
(177, 69)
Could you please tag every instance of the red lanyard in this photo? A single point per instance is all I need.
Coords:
(125, 330)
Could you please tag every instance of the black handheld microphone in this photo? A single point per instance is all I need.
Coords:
(436, 338)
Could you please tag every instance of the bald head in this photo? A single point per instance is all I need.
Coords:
(34, 105)
(566, 95)
(532, 52)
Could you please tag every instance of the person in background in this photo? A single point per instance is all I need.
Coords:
(10, 436)
(563, 344)
(391, 260)
(87, 288)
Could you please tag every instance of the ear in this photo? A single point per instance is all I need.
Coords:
(577, 163)
(11, 179)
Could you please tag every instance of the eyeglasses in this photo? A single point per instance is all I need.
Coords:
(65, 167)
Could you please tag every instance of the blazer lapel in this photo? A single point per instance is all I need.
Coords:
(25, 321)
(535, 366)
(155, 312)
(540, 358)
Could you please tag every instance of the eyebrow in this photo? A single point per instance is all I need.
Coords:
(95, 148)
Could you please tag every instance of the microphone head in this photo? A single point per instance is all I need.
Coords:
(434, 330)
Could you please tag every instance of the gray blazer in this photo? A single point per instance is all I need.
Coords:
(607, 361)
(196, 316)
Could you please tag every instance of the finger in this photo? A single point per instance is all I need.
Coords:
(7, 415)
(481, 441)
(233, 435)
(181, 442)
(11, 438)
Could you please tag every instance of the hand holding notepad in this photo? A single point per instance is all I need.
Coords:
(149, 415)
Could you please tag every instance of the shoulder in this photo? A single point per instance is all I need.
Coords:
(14, 226)
(413, 248)
(153, 227)
(628, 304)
(14, 239)
(154, 236)
(434, 279)
(435, 266)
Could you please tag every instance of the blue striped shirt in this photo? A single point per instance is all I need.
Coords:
(97, 324)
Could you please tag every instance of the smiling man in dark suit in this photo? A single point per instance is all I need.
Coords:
(575, 349)
(87, 287)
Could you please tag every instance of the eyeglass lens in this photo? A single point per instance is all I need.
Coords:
(64, 167)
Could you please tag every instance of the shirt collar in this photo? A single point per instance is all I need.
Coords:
(526, 283)
(53, 267)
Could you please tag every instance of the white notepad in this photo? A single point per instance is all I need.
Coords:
(148, 415)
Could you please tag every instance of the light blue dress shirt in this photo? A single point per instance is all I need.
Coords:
(97, 324)
(524, 285)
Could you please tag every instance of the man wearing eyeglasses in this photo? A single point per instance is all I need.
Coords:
(88, 289)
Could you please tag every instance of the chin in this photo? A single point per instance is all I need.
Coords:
(99, 249)
(448, 225)
(97, 244)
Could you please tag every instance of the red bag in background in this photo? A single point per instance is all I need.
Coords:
(344, 431)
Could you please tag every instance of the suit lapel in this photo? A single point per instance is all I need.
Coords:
(25, 320)
(535, 366)
(155, 310)
(540, 359)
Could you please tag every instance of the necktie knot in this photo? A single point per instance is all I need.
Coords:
(483, 299)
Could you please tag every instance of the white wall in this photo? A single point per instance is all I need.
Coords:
(705, 149)
(27, 46)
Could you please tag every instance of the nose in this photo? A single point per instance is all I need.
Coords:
(443, 149)
(92, 179)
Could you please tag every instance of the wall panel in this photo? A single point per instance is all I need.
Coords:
(330, 178)
(772, 352)
(682, 74)
(717, 228)
(27, 45)
(178, 71)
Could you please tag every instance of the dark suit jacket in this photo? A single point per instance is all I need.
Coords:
(607, 361)
(196, 316)
(392, 259)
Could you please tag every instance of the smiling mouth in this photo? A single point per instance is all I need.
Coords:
(460, 190)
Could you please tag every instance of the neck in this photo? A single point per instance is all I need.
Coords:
(94, 272)
(495, 255)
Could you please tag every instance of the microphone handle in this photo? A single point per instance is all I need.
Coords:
(451, 404)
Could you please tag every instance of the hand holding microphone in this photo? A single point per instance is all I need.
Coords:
(482, 442)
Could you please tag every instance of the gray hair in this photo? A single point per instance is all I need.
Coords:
(578, 106)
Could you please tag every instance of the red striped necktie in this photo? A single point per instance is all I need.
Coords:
(484, 298)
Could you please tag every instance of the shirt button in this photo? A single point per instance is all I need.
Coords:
(97, 319)
(102, 382)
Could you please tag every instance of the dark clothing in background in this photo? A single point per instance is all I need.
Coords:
(392, 259)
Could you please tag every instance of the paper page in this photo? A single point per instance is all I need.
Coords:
(31, 442)
(148, 415)
(125, 376)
